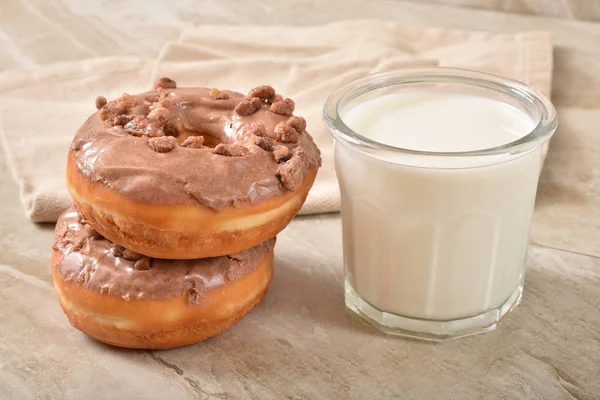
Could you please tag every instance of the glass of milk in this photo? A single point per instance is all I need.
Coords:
(438, 170)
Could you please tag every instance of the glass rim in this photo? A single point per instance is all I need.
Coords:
(517, 90)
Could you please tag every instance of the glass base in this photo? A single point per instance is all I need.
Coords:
(432, 330)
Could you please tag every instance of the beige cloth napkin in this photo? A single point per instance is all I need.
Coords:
(40, 109)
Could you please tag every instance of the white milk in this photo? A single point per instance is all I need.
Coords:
(431, 242)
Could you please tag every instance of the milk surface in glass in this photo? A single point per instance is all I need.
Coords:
(428, 241)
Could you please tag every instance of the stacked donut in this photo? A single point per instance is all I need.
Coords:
(178, 196)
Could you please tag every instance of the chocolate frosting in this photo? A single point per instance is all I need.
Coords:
(89, 261)
(127, 164)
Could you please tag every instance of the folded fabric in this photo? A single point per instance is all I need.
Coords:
(40, 109)
(523, 56)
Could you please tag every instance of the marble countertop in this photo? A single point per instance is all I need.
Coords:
(301, 343)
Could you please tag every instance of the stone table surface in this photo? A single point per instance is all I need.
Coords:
(301, 343)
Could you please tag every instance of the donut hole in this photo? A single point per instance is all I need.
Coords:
(209, 140)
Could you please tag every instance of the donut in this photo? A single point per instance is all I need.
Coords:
(129, 300)
(184, 173)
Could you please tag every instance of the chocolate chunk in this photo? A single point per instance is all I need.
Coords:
(298, 123)
(281, 153)
(159, 115)
(100, 102)
(284, 133)
(264, 143)
(230, 150)
(155, 132)
(193, 142)
(122, 252)
(140, 126)
(283, 107)
(245, 108)
(122, 120)
(137, 126)
(78, 243)
(195, 295)
(263, 92)
(291, 173)
(276, 98)
(257, 103)
(173, 128)
(162, 144)
(236, 256)
(61, 242)
(117, 250)
(116, 107)
(94, 234)
(258, 129)
(143, 264)
(165, 83)
(131, 255)
(126, 101)
(84, 276)
(218, 94)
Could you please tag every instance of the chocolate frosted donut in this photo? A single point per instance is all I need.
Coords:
(192, 172)
(125, 299)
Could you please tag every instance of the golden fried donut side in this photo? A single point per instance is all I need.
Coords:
(182, 231)
(161, 324)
